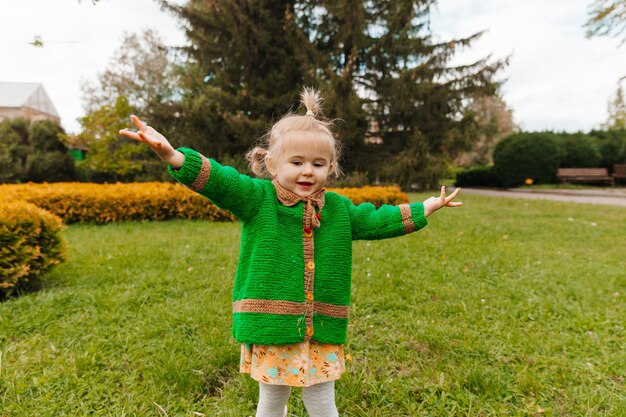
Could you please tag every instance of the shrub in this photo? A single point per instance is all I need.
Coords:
(13, 149)
(105, 203)
(30, 244)
(43, 136)
(376, 195)
(478, 176)
(32, 151)
(578, 151)
(51, 166)
(612, 146)
(526, 155)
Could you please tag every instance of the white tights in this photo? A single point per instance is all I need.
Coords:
(319, 400)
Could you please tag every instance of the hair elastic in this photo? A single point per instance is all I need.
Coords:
(310, 113)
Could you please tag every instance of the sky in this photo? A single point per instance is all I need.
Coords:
(556, 79)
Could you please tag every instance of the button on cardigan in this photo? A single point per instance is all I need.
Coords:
(271, 305)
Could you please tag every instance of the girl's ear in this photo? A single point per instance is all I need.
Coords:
(331, 169)
(269, 164)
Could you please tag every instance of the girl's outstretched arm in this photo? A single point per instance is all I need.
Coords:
(156, 141)
(224, 186)
(432, 204)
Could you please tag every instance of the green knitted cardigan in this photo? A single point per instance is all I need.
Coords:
(286, 290)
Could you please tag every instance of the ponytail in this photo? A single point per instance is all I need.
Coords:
(311, 100)
(256, 159)
(272, 142)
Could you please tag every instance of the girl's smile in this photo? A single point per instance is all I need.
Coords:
(302, 166)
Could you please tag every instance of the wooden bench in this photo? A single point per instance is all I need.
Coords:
(584, 175)
(619, 171)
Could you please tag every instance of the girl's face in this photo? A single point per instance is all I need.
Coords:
(302, 166)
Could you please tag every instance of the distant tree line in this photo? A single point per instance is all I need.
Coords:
(32, 151)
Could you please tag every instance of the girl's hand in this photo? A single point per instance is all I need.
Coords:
(155, 141)
(433, 204)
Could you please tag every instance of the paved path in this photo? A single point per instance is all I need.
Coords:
(615, 197)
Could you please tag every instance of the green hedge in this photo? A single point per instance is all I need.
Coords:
(478, 176)
(526, 155)
(538, 155)
(577, 150)
(612, 147)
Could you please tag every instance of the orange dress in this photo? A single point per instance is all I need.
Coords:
(298, 365)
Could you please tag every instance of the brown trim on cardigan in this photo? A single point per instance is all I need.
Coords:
(310, 221)
(203, 176)
(251, 305)
(309, 276)
(332, 310)
(289, 198)
(292, 308)
(407, 222)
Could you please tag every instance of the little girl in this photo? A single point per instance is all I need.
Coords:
(291, 294)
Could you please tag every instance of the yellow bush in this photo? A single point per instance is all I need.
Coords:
(105, 203)
(30, 243)
(376, 195)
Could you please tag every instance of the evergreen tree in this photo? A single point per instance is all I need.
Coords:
(246, 70)
(384, 51)
(375, 61)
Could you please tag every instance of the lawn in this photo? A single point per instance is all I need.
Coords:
(505, 307)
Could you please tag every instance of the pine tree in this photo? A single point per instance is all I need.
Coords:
(375, 61)
(246, 70)
(384, 51)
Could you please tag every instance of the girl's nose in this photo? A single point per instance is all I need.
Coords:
(307, 169)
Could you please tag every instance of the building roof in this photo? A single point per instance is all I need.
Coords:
(31, 95)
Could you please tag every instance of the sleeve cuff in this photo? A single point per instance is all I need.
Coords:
(413, 218)
(195, 170)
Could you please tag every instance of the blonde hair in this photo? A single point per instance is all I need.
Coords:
(274, 140)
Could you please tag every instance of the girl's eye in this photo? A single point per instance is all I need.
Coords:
(318, 165)
(298, 163)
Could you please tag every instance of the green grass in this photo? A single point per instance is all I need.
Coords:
(505, 307)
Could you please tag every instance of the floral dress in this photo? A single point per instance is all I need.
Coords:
(298, 365)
